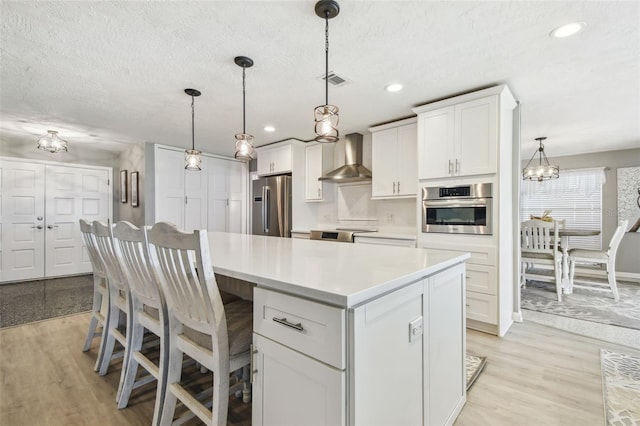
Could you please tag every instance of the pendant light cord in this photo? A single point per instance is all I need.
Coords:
(326, 57)
(193, 138)
(244, 110)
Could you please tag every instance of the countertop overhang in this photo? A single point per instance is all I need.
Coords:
(344, 275)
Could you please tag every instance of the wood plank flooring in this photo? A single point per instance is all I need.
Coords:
(534, 375)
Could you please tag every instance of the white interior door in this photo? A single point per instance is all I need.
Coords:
(22, 230)
(72, 193)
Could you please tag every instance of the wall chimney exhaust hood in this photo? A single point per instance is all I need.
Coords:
(353, 170)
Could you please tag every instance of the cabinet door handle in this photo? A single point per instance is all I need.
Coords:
(50, 226)
(394, 187)
(284, 321)
(457, 166)
(37, 227)
(450, 167)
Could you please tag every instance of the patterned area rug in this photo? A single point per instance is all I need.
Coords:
(621, 388)
(475, 365)
(584, 304)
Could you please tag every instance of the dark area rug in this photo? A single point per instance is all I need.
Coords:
(30, 301)
(585, 304)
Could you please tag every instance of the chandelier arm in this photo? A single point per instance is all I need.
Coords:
(530, 160)
(542, 154)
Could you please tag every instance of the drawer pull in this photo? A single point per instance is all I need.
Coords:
(284, 321)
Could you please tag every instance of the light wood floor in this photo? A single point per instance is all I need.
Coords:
(535, 375)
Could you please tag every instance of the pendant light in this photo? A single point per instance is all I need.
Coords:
(326, 116)
(192, 156)
(244, 141)
(543, 170)
(52, 143)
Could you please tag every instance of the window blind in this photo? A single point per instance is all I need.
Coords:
(575, 197)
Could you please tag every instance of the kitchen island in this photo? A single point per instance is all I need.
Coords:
(351, 334)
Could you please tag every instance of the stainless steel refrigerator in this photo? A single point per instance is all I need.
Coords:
(271, 206)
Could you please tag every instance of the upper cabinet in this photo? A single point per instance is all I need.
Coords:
(458, 140)
(394, 162)
(318, 160)
(274, 160)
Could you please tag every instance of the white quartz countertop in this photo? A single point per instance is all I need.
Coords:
(376, 234)
(340, 274)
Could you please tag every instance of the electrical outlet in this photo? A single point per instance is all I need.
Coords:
(416, 329)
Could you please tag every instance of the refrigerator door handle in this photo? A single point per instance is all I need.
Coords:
(265, 209)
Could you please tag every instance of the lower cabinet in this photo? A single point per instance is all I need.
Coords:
(403, 362)
(385, 241)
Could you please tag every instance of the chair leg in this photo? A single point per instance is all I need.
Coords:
(135, 335)
(174, 373)
(611, 276)
(221, 399)
(93, 323)
(162, 379)
(558, 273)
(246, 385)
(523, 281)
(105, 333)
(110, 340)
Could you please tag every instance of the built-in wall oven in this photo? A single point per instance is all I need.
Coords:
(464, 209)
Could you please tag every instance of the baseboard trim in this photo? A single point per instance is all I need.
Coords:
(517, 316)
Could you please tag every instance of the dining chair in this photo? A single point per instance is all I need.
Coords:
(99, 316)
(216, 336)
(539, 245)
(148, 312)
(119, 299)
(599, 257)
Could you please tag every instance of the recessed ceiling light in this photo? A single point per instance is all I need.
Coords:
(393, 87)
(568, 30)
(269, 129)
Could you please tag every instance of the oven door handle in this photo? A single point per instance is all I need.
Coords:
(476, 202)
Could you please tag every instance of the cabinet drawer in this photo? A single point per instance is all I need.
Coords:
(482, 307)
(481, 279)
(312, 328)
(480, 254)
(385, 241)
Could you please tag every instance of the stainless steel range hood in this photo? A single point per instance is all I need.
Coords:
(353, 170)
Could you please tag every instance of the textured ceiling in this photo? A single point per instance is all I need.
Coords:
(114, 72)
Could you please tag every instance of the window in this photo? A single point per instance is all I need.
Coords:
(575, 197)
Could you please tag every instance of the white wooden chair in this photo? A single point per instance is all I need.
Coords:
(119, 298)
(100, 292)
(148, 311)
(539, 245)
(602, 257)
(215, 335)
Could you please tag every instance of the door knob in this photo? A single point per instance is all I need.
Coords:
(37, 227)
(51, 226)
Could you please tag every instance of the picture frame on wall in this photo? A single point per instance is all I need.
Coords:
(123, 186)
(134, 189)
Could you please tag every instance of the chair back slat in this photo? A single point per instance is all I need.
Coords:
(90, 243)
(132, 250)
(106, 247)
(187, 279)
(538, 236)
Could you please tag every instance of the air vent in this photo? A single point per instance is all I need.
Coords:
(335, 79)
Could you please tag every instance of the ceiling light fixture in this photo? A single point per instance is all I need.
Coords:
(541, 171)
(326, 116)
(192, 156)
(269, 129)
(244, 145)
(393, 87)
(568, 30)
(52, 143)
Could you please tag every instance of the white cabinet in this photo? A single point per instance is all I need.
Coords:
(318, 160)
(394, 163)
(274, 160)
(459, 140)
(41, 205)
(402, 363)
(226, 194)
(213, 198)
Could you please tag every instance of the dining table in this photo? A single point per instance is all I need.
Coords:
(564, 235)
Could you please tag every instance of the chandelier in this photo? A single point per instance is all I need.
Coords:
(244, 141)
(52, 143)
(543, 170)
(192, 156)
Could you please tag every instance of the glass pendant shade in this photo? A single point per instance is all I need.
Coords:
(327, 118)
(543, 170)
(244, 147)
(52, 143)
(192, 159)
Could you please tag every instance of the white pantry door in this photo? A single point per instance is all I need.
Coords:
(73, 193)
(22, 230)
